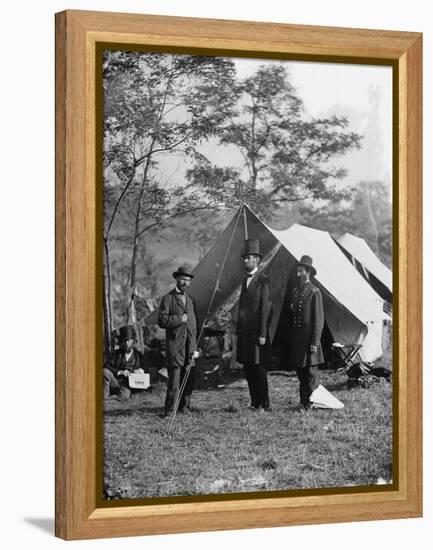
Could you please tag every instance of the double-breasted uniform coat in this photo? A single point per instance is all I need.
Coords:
(254, 317)
(306, 324)
(307, 320)
(180, 343)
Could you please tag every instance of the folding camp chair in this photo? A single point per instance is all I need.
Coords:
(345, 353)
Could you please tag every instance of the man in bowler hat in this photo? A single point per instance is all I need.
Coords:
(177, 314)
(254, 316)
(306, 324)
(125, 360)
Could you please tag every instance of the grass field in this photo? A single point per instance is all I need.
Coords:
(222, 447)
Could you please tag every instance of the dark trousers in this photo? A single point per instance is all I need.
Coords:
(308, 382)
(257, 378)
(175, 379)
(113, 386)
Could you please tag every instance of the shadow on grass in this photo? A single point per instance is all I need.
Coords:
(128, 410)
(336, 386)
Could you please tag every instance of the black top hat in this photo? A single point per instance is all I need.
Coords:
(127, 333)
(252, 246)
(182, 271)
(307, 261)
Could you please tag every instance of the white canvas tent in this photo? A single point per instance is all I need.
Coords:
(353, 310)
(366, 261)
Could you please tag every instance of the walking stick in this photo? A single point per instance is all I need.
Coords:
(179, 395)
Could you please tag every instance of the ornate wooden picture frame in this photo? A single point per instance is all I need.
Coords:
(80, 512)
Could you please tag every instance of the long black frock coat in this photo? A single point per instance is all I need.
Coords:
(254, 317)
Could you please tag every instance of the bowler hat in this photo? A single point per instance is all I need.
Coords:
(307, 261)
(252, 246)
(182, 271)
(127, 333)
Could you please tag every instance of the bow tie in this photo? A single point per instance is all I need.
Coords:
(249, 275)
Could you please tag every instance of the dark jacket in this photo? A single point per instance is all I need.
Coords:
(118, 362)
(306, 324)
(180, 338)
(254, 317)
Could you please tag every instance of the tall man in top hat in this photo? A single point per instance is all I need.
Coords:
(306, 325)
(125, 360)
(253, 342)
(178, 315)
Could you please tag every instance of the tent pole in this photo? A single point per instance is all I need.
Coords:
(244, 211)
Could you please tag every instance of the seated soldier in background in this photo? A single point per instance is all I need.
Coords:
(126, 360)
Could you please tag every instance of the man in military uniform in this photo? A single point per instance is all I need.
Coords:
(177, 314)
(125, 360)
(306, 325)
(252, 329)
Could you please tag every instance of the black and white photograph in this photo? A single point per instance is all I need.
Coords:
(247, 281)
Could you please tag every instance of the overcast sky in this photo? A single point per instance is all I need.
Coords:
(362, 93)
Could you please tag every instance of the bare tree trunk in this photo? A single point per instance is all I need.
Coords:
(131, 311)
(374, 229)
(107, 312)
(365, 217)
(133, 278)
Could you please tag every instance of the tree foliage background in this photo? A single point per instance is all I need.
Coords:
(169, 188)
